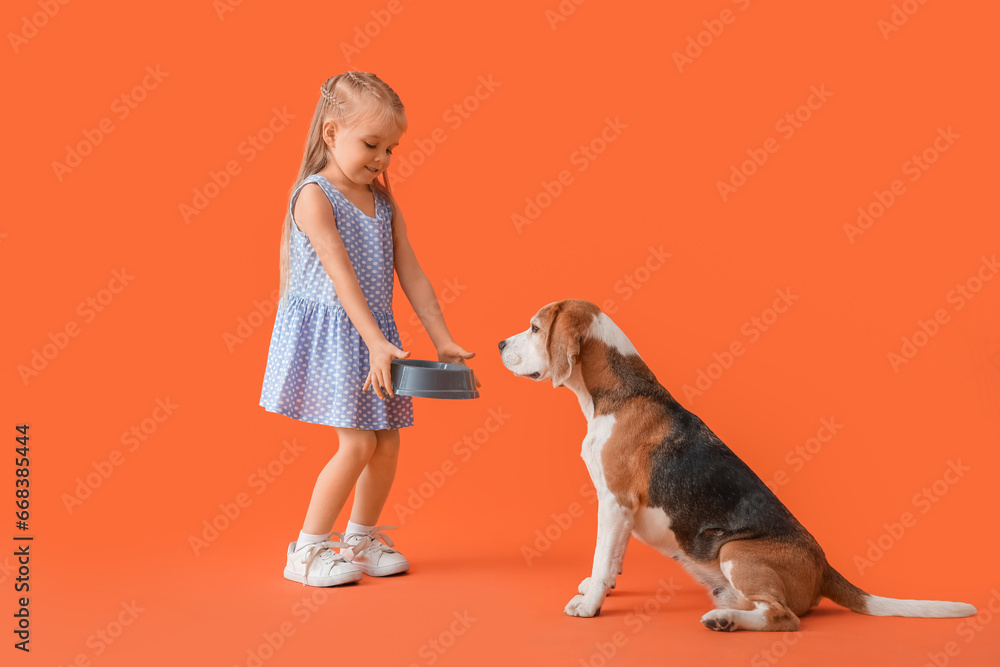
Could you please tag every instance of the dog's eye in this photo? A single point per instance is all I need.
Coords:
(534, 329)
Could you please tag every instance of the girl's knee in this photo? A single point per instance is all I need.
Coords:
(357, 445)
(387, 443)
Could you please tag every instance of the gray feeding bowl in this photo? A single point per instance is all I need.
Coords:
(432, 379)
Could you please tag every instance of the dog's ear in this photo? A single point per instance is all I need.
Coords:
(563, 344)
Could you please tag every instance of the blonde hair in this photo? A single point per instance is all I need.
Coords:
(348, 98)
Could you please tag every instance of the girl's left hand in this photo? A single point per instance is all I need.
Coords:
(453, 353)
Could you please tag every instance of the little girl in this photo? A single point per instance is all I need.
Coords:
(334, 333)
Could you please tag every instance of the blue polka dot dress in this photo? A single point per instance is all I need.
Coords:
(317, 360)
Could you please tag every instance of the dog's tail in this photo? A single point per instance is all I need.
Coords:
(846, 594)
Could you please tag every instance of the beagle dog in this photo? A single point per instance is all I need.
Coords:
(663, 476)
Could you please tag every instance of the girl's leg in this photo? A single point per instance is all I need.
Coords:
(376, 480)
(336, 480)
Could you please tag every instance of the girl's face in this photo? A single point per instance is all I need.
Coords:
(363, 151)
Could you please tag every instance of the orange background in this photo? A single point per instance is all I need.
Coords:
(163, 335)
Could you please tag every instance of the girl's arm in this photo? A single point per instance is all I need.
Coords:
(421, 295)
(316, 219)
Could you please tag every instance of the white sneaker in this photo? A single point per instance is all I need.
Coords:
(371, 556)
(317, 564)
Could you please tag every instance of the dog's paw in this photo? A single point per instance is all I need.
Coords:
(582, 607)
(719, 620)
(586, 585)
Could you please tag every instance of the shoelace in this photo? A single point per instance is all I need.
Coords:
(371, 541)
(311, 551)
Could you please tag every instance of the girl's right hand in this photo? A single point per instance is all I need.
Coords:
(380, 373)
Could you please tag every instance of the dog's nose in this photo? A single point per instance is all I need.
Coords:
(503, 344)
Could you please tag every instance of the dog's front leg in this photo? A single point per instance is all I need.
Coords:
(602, 527)
(614, 526)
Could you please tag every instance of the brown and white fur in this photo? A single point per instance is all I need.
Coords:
(663, 476)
